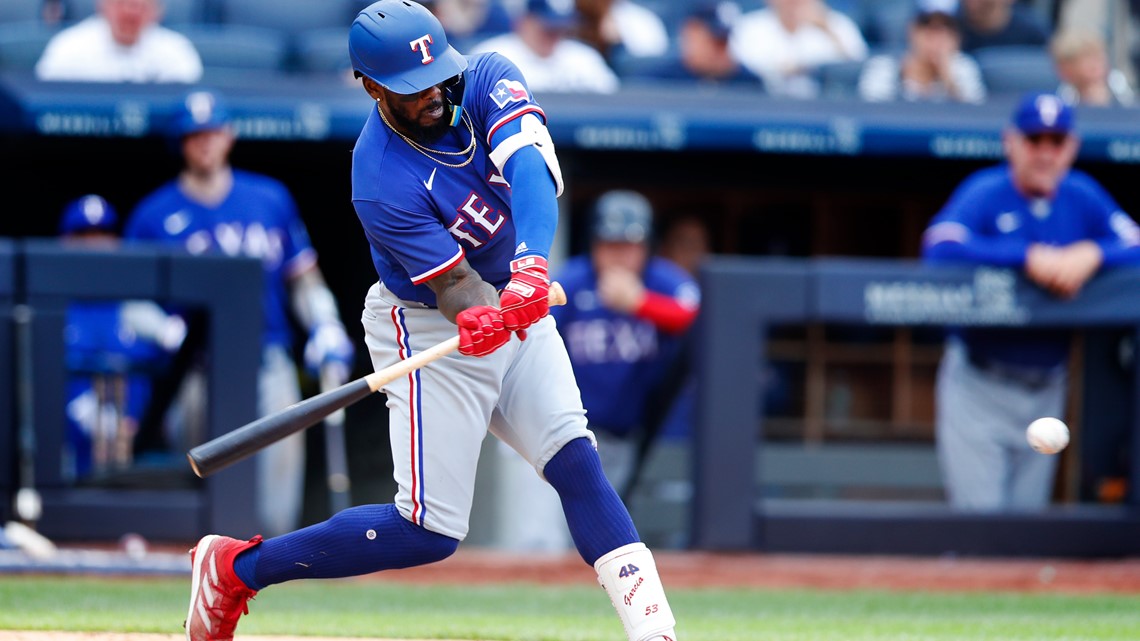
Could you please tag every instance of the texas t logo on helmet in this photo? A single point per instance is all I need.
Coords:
(421, 45)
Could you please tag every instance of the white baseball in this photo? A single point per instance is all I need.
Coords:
(1047, 435)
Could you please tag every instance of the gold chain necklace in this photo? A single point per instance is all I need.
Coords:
(427, 151)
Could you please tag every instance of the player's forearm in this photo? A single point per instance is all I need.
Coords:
(460, 288)
(313, 302)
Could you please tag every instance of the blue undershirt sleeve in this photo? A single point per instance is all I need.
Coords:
(533, 201)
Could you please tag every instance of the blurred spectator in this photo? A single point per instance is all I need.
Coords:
(702, 53)
(624, 322)
(122, 42)
(789, 40)
(703, 43)
(213, 207)
(999, 23)
(113, 349)
(1058, 225)
(1117, 22)
(468, 20)
(1082, 64)
(613, 26)
(932, 68)
(541, 47)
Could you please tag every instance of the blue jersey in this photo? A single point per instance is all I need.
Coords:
(618, 358)
(258, 219)
(422, 217)
(987, 221)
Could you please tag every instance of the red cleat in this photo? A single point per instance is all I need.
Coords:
(218, 598)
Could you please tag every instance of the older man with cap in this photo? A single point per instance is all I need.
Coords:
(213, 207)
(623, 322)
(1057, 225)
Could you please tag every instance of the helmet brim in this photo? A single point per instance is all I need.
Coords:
(447, 65)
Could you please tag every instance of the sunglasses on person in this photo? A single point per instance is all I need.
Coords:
(1054, 138)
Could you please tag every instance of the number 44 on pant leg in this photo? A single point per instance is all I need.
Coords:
(630, 578)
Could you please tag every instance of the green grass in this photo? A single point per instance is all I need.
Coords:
(523, 612)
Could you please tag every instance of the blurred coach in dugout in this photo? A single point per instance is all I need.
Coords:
(213, 207)
(623, 324)
(1057, 225)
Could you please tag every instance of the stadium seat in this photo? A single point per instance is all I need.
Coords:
(292, 19)
(238, 47)
(20, 10)
(323, 50)
(884, 23)
(839, 79)
(175, 12)
(1016, 69)
(290, 16)
(21, 44)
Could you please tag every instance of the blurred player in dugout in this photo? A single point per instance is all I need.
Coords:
(212, 207)
(1037, 214)
(626, 315)
(625, 327)
(113, 350)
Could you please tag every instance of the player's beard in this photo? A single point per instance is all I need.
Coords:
(421, 133)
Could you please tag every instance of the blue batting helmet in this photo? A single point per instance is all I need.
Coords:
(402, 46)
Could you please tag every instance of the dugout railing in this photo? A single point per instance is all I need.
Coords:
(38, 279)
(744, 298)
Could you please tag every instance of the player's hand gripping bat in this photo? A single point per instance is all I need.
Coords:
(229, 448)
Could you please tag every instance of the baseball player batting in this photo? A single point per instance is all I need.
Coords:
(454, 180)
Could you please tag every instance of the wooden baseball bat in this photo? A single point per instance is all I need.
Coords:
(231, 447)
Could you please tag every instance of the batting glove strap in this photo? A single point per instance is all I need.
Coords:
(328, 343)
(524, 300)
(481, 330)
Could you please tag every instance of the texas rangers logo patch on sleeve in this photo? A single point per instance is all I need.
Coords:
(508, 91)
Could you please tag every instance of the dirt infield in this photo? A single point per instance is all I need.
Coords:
(695, 569)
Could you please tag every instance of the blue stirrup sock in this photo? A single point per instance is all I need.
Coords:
(599, 522)
(359, 540)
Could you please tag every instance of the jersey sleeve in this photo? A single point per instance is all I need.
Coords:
(1110, 227)
(519, 143)
(963, 230)
(497, 95)
(416, 240)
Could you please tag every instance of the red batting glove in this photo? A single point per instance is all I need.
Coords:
(481, 330)
(524, 299)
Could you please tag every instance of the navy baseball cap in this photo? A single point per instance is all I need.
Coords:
(89, 213)
(623, 216)
(557, 14)
(200, 111)
(1041, 113)
(718, 16)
